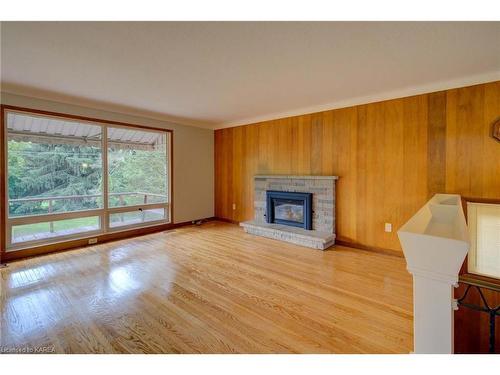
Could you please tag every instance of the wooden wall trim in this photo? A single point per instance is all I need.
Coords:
(338, 242)
(226, 220)
(359, 246)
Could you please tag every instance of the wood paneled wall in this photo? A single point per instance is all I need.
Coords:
(391, 157)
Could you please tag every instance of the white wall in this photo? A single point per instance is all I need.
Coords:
(193, 188)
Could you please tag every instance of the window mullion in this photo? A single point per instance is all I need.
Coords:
(105, 192)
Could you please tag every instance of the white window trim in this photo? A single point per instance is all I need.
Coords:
(472, 267)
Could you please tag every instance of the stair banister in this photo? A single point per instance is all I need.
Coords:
(435, 242)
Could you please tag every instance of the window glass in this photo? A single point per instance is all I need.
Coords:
(61, 172)
(51, 229)
(137, 164)
(136, 217)
(54, 165)
(484, 226)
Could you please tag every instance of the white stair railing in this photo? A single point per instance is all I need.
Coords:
(435, 242)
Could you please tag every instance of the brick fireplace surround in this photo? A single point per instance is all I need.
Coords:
(322, 234)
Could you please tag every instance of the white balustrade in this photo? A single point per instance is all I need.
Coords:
(435, 242)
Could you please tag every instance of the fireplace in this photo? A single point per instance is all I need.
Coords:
(283, 209)
(289, 208)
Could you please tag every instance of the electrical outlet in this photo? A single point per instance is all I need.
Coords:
(234, 206)
(92, 241)
(388, 227)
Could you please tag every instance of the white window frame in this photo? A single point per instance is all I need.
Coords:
(104, 212)
(472, 225)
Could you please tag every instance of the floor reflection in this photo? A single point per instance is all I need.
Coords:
(38, 292)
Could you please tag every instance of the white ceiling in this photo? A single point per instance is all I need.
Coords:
(216, 74)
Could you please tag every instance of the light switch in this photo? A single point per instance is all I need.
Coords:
(388, 227)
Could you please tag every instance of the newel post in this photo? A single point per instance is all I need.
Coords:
(435, 242)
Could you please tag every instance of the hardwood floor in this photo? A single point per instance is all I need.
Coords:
(208, 289)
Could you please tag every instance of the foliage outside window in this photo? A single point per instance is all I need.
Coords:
(58, 185)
